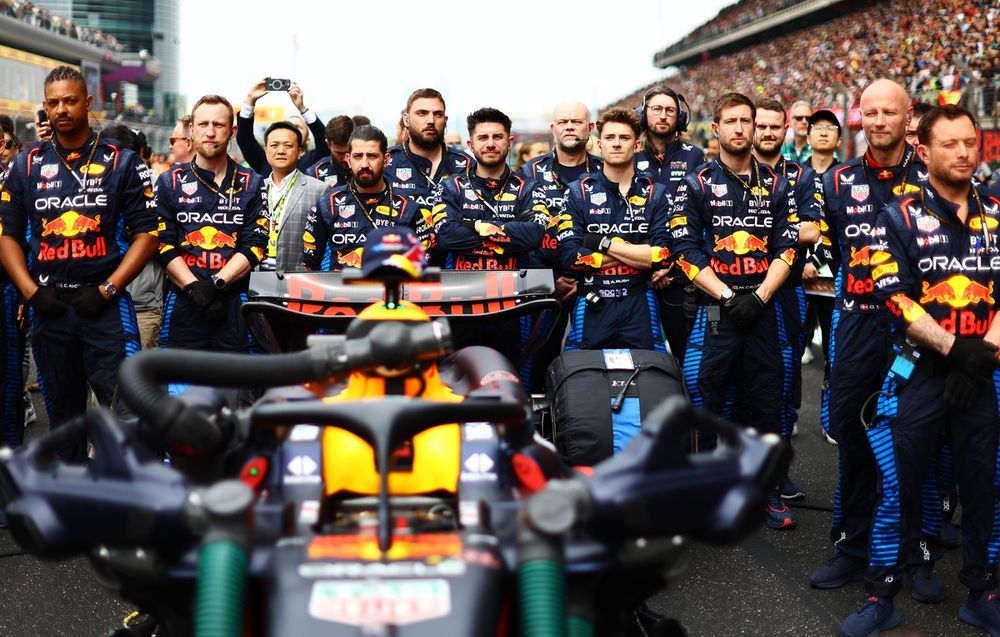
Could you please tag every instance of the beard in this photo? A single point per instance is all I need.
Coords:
(572, 144)
(492, 163)
(426, 139)
(768, 149)
(732, 149)
(662, 136)
(367, 178)
(211, 150)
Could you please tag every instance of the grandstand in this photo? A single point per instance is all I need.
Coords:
(826, 51)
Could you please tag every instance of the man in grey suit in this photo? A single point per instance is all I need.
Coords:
(291, 194)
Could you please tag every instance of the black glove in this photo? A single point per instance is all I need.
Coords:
(960, 389)
(744, 309)
(214, 311)
(974, 356)
(46, 303)
(89, 301)
(596, 242)
(202, 292)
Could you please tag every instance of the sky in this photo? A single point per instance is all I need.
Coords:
(366, 56)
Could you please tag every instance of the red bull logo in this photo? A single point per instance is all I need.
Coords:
(957, 291)
(588, 260)
(659, 254)
(689, 269)
(209, 238)
(350, 259)
(740, 242)
(70, 224)
(866, 256)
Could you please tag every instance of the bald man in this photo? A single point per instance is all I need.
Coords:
(855, 192)
(554, 171)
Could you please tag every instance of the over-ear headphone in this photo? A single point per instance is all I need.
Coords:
(683, 113)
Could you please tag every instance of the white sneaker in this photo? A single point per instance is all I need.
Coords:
(817, 339)
(807, 356)
(829, 439)
(30, 415)
(795, 430)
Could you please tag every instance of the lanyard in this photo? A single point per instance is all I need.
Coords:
(555, 162)
(981, 243)
(755, 173)
(232, 182)
(496, 197)
(427, 175)
(278, 208)
(387, 193)
(86, 167)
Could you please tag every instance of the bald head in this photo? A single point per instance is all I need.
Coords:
(885, 110)
(571, 127)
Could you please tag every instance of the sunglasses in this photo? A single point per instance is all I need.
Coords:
(174, 140)
(800, 118)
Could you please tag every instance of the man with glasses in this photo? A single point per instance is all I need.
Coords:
(798, 148)
(181, 146)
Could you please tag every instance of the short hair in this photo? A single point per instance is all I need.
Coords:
(729, 100)
(213, 99)
(769, 104)
(423, 93)
(619, 115)
(921, 108)
(185, 121)
(801, 102)
(369, 133)
(338, 129)
(487, 115)
(361, 120)
(284, 126)
(6, 124)
(123, 134)
(949, 112)
(65, 73)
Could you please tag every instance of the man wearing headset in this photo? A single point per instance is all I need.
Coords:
(667, 159)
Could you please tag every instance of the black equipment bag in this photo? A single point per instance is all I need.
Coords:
(599, 398)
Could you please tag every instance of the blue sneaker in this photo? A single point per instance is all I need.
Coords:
(789, 490)
(779, 516)
(983, 611)
(925, 586)
(873, 616)
(837, 571)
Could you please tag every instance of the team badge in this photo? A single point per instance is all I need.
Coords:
(404, 174)
(859, 192)
(642, 165)
(346, 211)
(190, 188)
(720, 190)
(471, 196)
(49, 171)
(598, 198)
(928, 224)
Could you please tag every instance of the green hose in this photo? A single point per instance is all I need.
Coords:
(542, 593)
(222, 574)
(580, 627)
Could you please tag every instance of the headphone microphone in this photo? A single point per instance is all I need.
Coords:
(683, 113)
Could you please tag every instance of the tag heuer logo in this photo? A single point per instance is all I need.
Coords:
(642, 165)
(346, 211)
(720, 190)
(49, 171)
(471, 196)
(403, 174)
(859, 192)
(331, 180)
(598, 198)
(928, 224)
(190, 188)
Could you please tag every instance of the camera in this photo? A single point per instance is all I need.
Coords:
(277, 84)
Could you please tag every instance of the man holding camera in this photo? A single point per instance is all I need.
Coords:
(214, 230)
(612, 235)
(306, 121)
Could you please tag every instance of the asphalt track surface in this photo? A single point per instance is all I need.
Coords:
(759, 588)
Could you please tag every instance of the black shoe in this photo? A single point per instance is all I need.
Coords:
(789, 490)
(925, 586)
(837, 571)
(873, 616)
(982, 610)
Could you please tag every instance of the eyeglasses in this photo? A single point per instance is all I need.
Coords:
(660, 110)
(800, 118)
(174, 140)
(824, 127)
(6, 143)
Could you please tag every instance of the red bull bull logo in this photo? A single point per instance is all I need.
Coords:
(740, 242)
(209, 238)
(588, 260)
(866, 256)
(957, 291)
(659, 254)
(70, 224)
(350, 259)
(689, 269)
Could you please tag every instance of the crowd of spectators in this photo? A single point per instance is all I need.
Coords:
(45, 19)
(927, 45)
(734, 16)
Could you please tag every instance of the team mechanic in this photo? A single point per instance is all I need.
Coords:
(769, 131)
(417, 167)
(79, 221)
(12, 341)
(612, 234)
(853, 194)
(337, 226)
(215, 230)
(938, 265)
(492, 219)
(731, 236)
(668, 158)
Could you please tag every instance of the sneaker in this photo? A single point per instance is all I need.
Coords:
(925, 586)
(983, 611)
(779, 516)
(807, 355)
(950, 537)
(873, 616)
(829, 439)
(795, 430)
(837, 571)
(789, 490)
(30, 415)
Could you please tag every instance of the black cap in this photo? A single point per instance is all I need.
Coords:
(824, 115)
(394, 248)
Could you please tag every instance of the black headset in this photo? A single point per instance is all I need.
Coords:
(683, 113)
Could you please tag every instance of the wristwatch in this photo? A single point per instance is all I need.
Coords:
(726, 296)
(604, 245)
(110, 288)
(218, 282)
